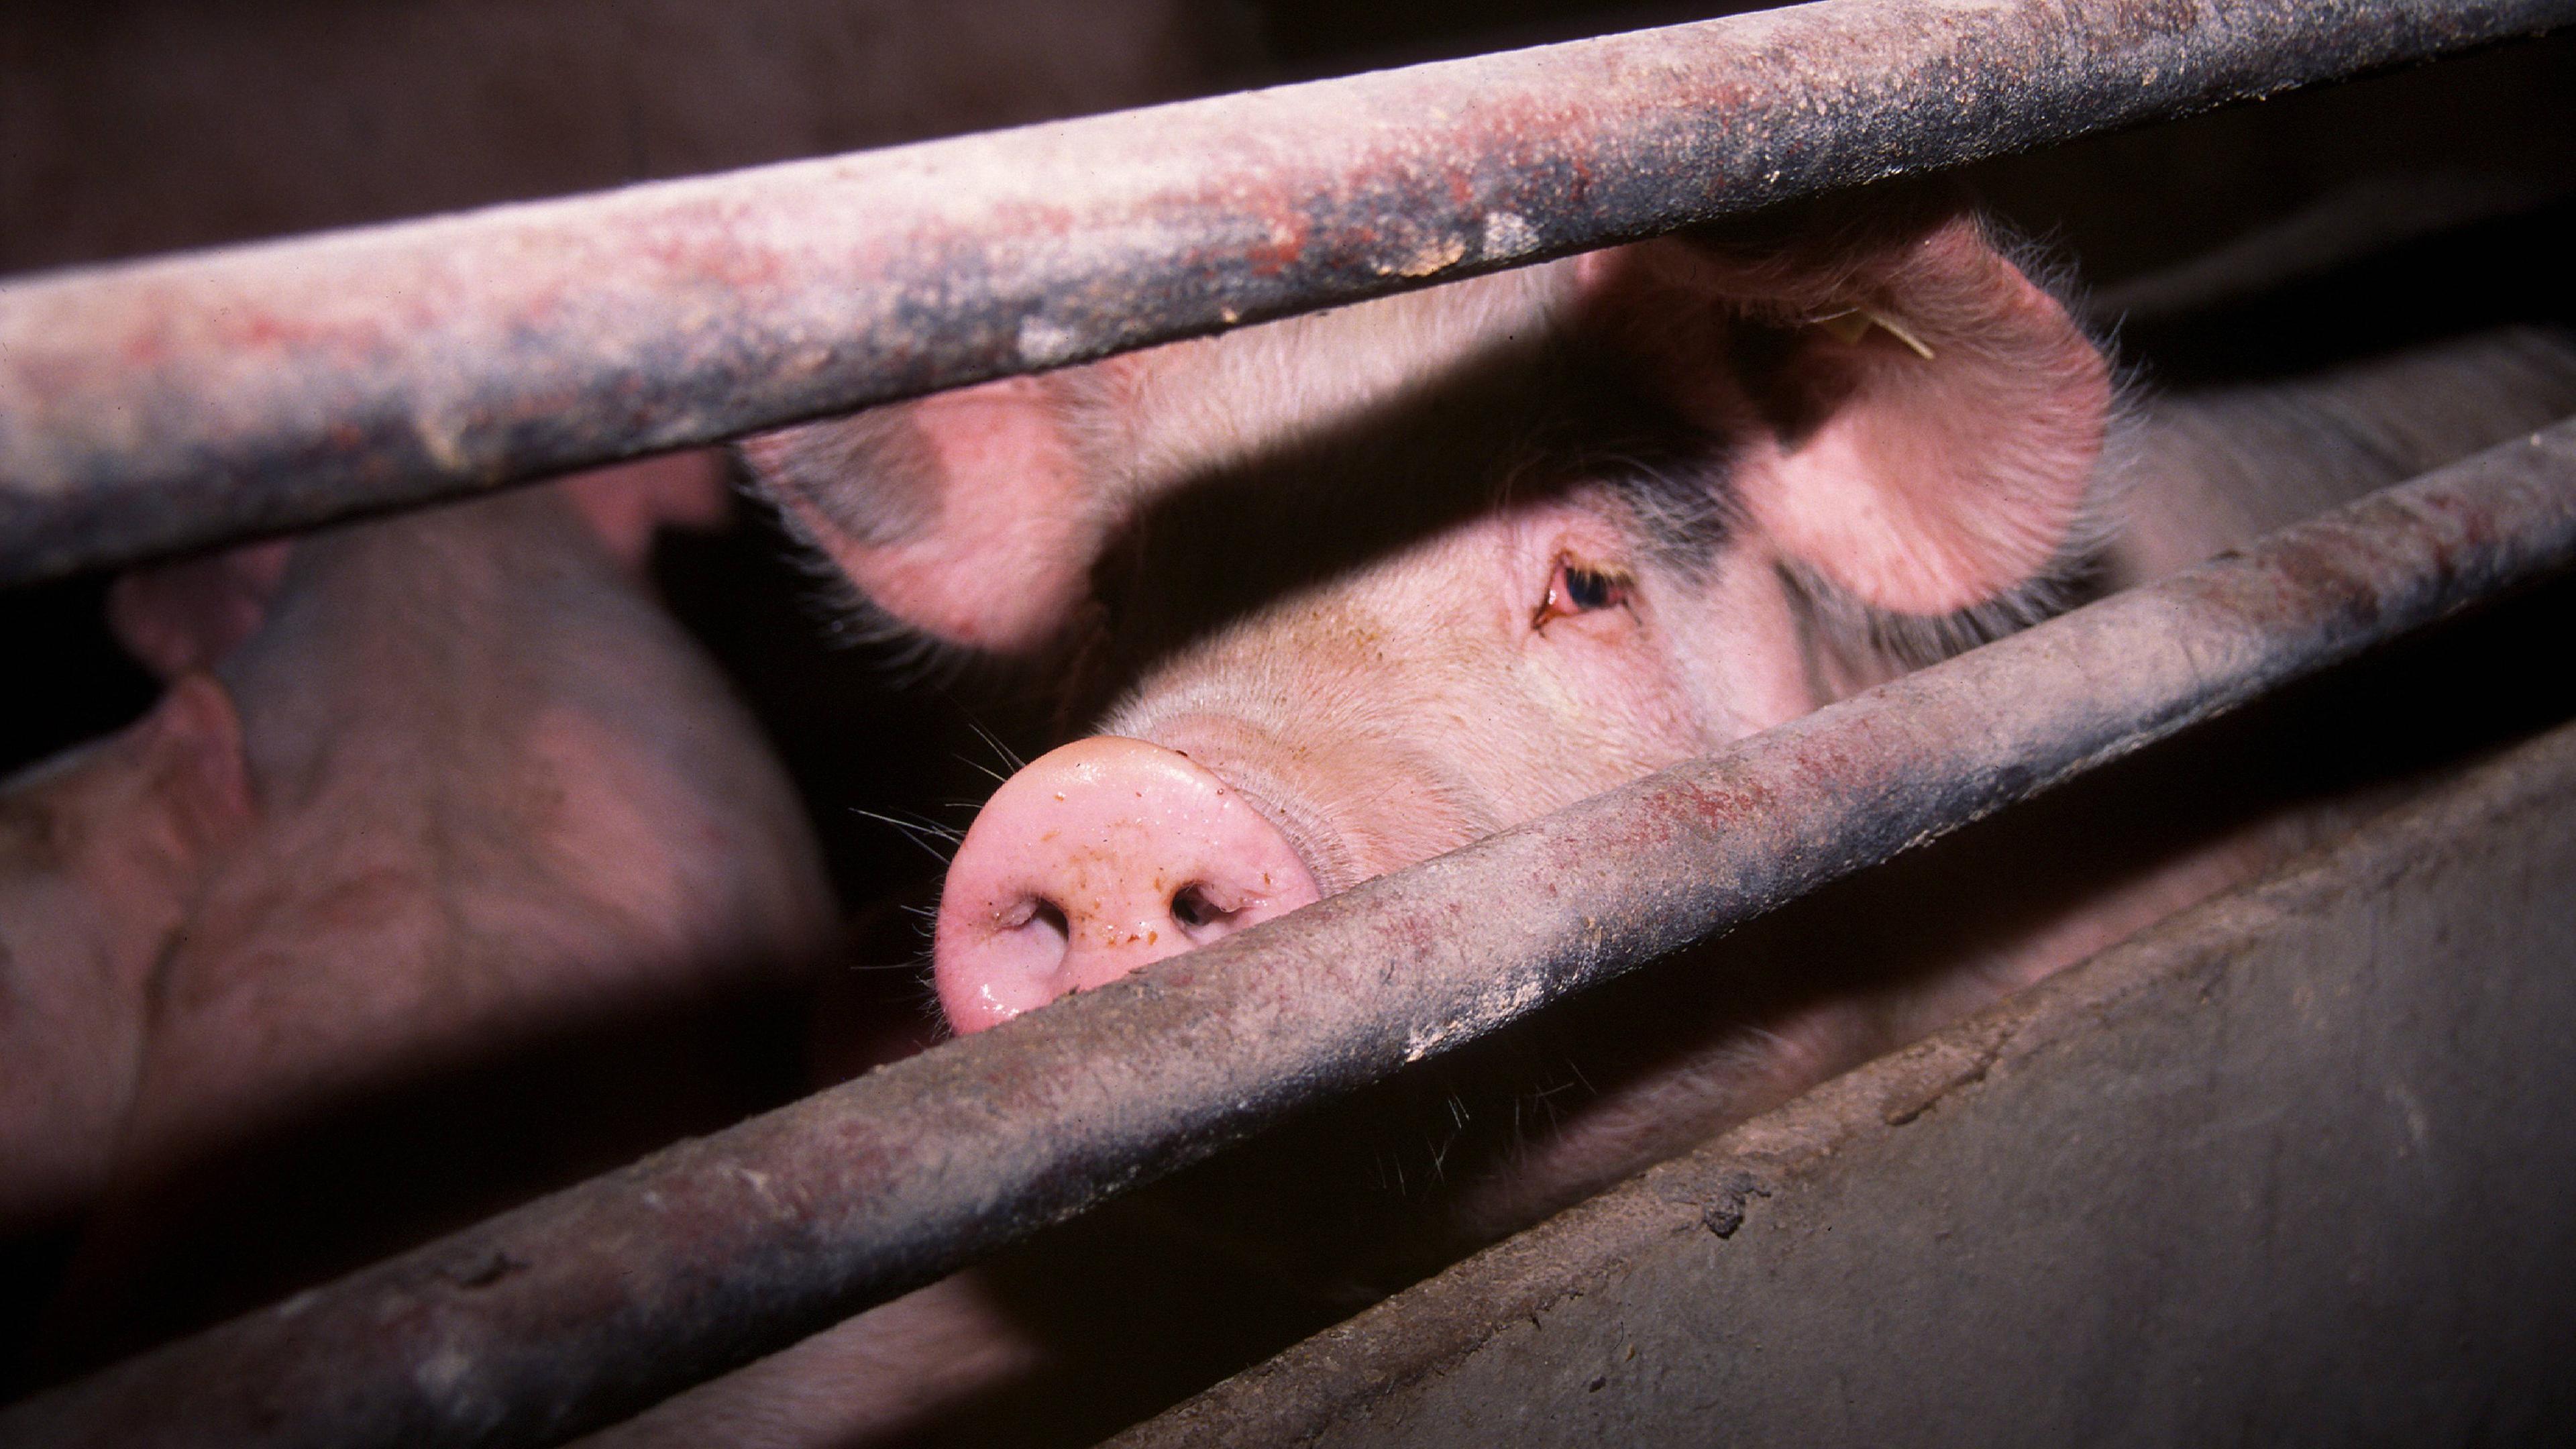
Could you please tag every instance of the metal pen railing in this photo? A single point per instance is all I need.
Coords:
(171, 404)
(180, 402)
(602, 1299)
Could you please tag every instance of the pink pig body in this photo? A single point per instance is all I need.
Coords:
(422, 794)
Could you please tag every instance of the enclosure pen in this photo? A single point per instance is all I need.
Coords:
(170, 404)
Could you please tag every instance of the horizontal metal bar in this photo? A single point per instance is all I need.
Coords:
(595, 1302)
(181, 402)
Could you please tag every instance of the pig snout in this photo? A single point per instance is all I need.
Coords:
(1098, 858)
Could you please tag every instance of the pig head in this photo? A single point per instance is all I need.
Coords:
(1351, 590)
(417, 789)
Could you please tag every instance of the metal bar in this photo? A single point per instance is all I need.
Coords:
(1991, 1235)
(176, 403)
(593, 1303)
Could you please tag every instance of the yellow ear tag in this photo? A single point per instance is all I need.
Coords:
(1850, 326)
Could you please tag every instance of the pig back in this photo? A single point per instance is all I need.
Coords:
(498, 790)
(2214, 467)
(508, 820)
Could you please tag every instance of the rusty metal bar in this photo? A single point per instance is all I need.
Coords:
(602, 1299)
(175, 403)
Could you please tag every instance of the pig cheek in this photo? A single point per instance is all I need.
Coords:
(1375, 720)
(1741, 652)
(1395, 815)
(1615, 700)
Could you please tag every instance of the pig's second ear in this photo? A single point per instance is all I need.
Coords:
(626, 504)
(1917, 421)
(190, 752)
(969, 515)
(177, 617)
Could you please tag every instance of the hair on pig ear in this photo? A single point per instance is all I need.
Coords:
(1919, 421)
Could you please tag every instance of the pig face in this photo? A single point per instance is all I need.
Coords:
(1357, 589)
(1467, 621)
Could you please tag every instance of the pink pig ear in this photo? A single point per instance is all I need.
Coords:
(190, 747)
(627, 503)
(967, 514)
(176, 617)
(1919, 421)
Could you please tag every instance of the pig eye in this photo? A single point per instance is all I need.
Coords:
(1576, 589)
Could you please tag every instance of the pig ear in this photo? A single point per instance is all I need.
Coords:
(191, 749)
(627, 503)
(181, 616)
(968, 514)
(1918, 421)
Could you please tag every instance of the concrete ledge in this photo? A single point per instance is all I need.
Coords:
(2295, 1166)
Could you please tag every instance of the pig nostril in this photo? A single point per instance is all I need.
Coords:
(1049, 917)
(1200, 915)
(1045, 927)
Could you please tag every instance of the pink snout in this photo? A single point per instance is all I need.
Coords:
(1101, 857)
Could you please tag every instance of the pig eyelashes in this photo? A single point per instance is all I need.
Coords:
(1578, 588)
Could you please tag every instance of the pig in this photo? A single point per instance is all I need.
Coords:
(1343, 592)
(1363, 587)
(532, 822)
(419, 794)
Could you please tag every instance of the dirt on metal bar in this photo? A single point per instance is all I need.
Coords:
(586, 1306)
(162, 405)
